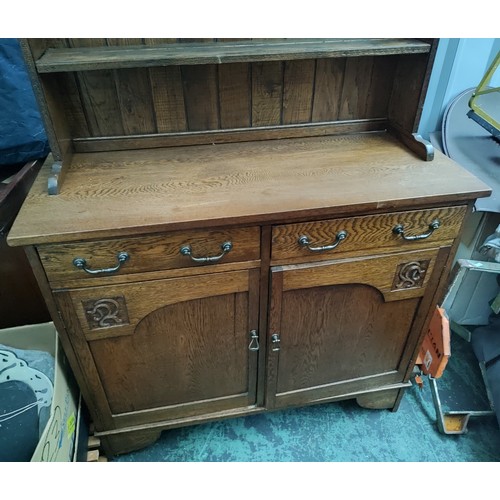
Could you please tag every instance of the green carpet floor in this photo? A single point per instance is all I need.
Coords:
(344, 432)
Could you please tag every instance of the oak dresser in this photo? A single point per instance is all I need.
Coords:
(226, 227)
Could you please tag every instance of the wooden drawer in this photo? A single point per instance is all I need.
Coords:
(368, 233)
(150, 253)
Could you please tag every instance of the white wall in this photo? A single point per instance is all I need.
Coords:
(460, 64)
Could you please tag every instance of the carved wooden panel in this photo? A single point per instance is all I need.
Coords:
(410, 275)
(106, 312)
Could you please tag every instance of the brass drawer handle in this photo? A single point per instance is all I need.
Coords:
(399, 230)
(225, 247)
(339, 238)
(82, 264)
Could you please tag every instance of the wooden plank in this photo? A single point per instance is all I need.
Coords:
(101, 104)
(201, 97)
(236, 184)
(298, 91)
(328, 89)
(356, 88)
(274, 327)
(159, 41)
(407, 95)
(195, 41)
(134, 94)
(168, 99)
(235, 95)
(380, 87)
(225, 136)
(72, 103)
(168, 94)
(200, 84)
(221, 52)
(265, 255)
(267, 93)
(99, 96)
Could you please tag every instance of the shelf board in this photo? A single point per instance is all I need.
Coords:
(126, 193)
(98, 58)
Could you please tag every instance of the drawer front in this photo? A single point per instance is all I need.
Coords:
(149, 253)
(324, 240)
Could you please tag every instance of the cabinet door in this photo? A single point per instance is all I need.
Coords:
(168, 348)
(342, 327)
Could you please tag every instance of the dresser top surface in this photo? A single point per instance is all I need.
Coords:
(146, 191)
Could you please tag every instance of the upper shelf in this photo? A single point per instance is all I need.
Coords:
(96, 58)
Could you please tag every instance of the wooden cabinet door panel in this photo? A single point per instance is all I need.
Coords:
(185, 349)
(336, 332)
(343, 326)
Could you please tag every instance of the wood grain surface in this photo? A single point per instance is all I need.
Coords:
(373, 232)
(340, 331)
(191, 333)
(151, 253)
(378, 272)
(104, 94)
(175, 142)
(139, 192)
(216, 52)
(322, 342)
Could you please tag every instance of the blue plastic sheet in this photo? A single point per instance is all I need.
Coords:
(22, 134)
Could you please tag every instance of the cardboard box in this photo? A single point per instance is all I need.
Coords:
(58, 440)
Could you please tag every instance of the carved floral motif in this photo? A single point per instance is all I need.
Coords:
(106, 312)
(410, 275)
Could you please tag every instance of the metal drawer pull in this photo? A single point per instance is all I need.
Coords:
(82, 264)
(225, 247)
(399, 230)
(254, 343)
(305, 242)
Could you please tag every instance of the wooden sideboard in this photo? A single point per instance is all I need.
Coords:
(261, 230)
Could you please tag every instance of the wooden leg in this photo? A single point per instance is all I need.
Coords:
(117, 444)
(381, 400)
